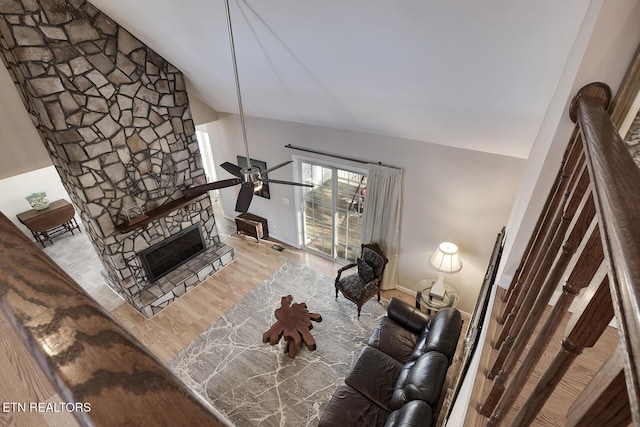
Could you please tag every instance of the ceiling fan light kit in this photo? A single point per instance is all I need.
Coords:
(250, 178)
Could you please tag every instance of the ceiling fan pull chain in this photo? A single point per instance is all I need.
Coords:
(235, 73)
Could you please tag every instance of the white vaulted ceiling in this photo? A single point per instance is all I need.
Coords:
(466, 73)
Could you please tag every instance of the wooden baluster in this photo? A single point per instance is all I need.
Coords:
(604, 401)
(552, 245)
(541, 263)
(535, 303)
(585, 327)
(576, 235)
(582, 275)
(556, 199)
(534, 245)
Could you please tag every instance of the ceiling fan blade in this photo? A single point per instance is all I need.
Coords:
(232, 169)
(277, 166)
(277, 181)
(201, 189)
(244, 197)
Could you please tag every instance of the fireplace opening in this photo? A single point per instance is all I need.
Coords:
(172, 252)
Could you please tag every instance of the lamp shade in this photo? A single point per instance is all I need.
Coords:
(445, 259)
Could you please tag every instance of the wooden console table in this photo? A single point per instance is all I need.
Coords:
(56, 219)
(252, 225)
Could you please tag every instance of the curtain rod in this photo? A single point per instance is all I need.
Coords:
(351, 159)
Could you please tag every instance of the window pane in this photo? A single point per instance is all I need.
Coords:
(333, 210)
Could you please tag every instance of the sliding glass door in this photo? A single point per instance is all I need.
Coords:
(332, 217)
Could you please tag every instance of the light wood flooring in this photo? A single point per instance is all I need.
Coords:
(21, 380)
(176, 326)
(173, 328)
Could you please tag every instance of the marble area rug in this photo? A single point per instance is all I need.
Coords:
(255, 384)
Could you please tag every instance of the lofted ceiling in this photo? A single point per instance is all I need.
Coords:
(463, 73)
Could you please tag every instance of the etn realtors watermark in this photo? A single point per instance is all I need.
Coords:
(46, 407)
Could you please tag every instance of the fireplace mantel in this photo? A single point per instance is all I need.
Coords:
(141, 221)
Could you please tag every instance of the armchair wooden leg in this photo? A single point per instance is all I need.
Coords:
(336, 293)
(359, 308)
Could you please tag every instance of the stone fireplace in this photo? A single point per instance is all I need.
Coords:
(164, 257)
(114, 116)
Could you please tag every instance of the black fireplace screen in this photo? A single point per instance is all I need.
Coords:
(172, 252)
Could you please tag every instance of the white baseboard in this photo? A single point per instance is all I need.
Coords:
(406, 290)
(295, 245)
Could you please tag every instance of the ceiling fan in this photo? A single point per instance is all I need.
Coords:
(250, 178)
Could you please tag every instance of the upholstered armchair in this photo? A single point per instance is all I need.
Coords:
(362, 285)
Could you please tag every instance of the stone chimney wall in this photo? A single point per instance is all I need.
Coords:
(114, 116)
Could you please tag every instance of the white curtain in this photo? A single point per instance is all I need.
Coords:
(381, 218)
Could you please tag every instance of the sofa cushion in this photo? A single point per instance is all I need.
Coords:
(421, 379)
(349, 408)
(374, 375)
(440, 334)
(374, 260)
(416, 413)
(365, 271)
(391, 338)
(352, 286)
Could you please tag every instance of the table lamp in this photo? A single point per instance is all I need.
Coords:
(445, 260)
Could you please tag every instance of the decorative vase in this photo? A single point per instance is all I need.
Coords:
(38, 201)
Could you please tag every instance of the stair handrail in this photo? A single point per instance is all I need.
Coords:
(616, 184)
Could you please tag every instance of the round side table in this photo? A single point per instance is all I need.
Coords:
(434, 304)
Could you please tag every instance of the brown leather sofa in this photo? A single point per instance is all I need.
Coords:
(398, 377)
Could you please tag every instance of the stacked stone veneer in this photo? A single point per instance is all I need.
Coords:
(115, 118)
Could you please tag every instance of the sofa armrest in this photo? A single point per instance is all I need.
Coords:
(408, 316)
(416, 413)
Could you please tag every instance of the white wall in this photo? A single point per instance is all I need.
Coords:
(603, 49)
(450, 194)
(22, 148)
(200, 111)
(13, 191)
(605, 45)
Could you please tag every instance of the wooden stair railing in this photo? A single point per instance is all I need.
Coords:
(555, 224)
(604, 402)
(540, 230)
(616, 182)
(87, 356)
(593, 212)
(583, 273)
